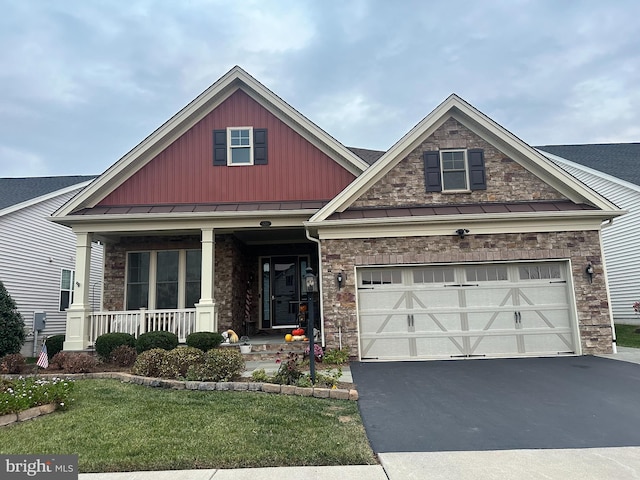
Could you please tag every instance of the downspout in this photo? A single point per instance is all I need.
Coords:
(321, 302)
(606, 282)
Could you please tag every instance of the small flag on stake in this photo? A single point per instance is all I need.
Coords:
(43, 359)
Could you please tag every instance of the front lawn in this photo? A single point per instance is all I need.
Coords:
(626, 336)
(115, 426)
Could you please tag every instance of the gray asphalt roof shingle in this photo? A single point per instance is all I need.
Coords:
(18, 190)
(620, 160)
(369, 156)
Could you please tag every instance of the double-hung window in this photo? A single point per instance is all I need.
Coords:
(163, 279)
(454, 170)
(67, 278)
(240, 144)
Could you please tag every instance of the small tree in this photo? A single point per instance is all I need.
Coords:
(11, 324)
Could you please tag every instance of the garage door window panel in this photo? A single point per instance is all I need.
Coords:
(540, 272)
(487, 273)
(433, 275)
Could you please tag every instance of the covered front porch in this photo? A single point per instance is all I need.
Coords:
(249, 280)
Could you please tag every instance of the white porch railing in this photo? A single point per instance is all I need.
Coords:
(181, 322)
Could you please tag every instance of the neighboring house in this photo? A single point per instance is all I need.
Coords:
(613, 170)
(459, 241)
(37, 256)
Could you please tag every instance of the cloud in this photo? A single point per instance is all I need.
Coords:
(16, 163)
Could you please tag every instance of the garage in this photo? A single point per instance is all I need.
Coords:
(465, 311)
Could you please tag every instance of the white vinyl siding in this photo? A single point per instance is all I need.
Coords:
(33, 252)
(619, 240)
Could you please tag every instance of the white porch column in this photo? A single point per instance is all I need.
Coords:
(77, 333)
(206, 314)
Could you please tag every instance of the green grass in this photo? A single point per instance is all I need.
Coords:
(626, 336)
(115, 426)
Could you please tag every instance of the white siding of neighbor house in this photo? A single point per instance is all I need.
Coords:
(33, 252)
(620, 240)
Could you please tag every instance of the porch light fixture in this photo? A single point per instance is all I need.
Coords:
(340, 278)
(311, 284)
(461, 232)
(265, 223)
(589, 271)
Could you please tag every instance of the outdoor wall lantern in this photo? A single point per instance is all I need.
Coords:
(461, 232)
(589, 271)
(340, 278)
(311, 284)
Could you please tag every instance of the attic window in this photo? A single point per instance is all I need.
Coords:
(454, 170)
(240, 146)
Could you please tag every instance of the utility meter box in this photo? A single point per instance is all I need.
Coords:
(39, 321)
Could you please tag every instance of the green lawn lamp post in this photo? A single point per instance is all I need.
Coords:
(311, 283)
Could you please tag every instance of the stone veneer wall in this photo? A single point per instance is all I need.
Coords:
(230, 283)
(579, 247)
(507, 180)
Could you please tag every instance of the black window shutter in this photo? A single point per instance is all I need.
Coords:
(259, 146)
(219, 147)
(477, 177)
(432, 176)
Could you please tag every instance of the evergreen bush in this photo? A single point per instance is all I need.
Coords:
(205, 341)
(107, 343)
(148, 363)
(12, 335)
(177, 361)
(159, 339)
(220, 365)
(54, 344)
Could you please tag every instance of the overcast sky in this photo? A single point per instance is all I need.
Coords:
(83, 81)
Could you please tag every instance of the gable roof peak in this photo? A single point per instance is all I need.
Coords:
(236, 78)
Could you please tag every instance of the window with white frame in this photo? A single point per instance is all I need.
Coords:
(454, 170)
(67, 277)
(240, 144)
(163, 279)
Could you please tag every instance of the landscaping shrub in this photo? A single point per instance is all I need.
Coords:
(176, 362)
(12, 363)
(336, 357)
(289, 371)
(11, 325)
(150, 340)
(54, 345)
(148, 363)
(123, 356)
(58, 360)
(205, 341)
(220, 365)
(79, 363)
(73, 362)
(107, 343)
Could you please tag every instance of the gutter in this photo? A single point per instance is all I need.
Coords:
(321, 302)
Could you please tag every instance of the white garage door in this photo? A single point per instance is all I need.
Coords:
(465, 311)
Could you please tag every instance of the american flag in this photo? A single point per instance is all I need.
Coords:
(43, 359)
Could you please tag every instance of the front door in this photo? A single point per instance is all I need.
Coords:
(282, 278)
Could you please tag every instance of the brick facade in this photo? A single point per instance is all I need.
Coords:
(507, 181)
(578, 247)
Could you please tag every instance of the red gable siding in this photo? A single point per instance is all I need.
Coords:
(184, 172)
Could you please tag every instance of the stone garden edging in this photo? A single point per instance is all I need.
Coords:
(27, 414)
(332, 393)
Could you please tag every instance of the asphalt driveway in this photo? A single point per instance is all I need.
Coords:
(499, 404)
